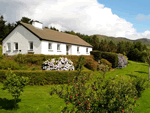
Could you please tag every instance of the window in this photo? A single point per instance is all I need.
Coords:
(87, 50)
(58, 46)
(49, 45)
(30, 45)
(16, 46)
(8, 47)
(77, 49)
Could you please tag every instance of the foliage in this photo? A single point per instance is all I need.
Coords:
(100, 96)
(45, 77)
(96, 54)
(106, 62)
(14, 84)
(7, 63)
(91, 64)
(80, 64)
(139, 84)
(111, 57)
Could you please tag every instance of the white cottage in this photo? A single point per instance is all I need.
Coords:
(25, 38)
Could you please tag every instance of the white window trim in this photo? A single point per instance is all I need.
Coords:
(29, 46)
(59, 47)
(7, 49)
(15, 46)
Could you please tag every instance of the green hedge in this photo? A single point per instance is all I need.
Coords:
(45, 77)
(111, 57)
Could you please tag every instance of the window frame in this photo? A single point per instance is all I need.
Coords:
(8, 47)
(59, 47)
(15, 46)
(49, 46)
(30, 45)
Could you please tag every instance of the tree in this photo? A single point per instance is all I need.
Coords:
(53, 28)
(25, 20)
(3, 28)
(95, 42)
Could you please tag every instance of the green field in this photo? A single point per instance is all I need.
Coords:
(36, 99)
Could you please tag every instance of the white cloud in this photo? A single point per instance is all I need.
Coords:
(84, 16)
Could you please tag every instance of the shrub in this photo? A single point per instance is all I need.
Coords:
(14, 84)
(20, 58)
(106, 62)
(45, 77)
(91, 64)
(101, 96)
(39, 58)
(111, 57)
(96, 54)
(80, 64)
(6, 63)
(139, 85)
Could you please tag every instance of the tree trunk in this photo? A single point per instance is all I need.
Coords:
(149, 71)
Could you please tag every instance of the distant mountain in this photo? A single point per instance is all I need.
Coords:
(118, 39)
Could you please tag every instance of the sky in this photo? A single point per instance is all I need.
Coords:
(118, 18)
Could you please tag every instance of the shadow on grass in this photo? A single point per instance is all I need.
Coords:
(141, 72)
(132, 75)
(8, 104)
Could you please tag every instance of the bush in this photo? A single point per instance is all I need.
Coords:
(6, 63)
(39, 58)
(91, 64)
(111, 57)
(80, 64)
(101, 96)
(14, 84)
(96, 54)
(45, 77)
(139, 85)
(106, 62)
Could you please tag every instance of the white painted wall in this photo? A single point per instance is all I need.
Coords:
(22, 36)
(73, 49)
(44, 48)
(82, 50)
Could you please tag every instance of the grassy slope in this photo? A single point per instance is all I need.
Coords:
(36, 99)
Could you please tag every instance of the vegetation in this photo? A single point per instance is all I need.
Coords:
(30, 98)
(14, 84)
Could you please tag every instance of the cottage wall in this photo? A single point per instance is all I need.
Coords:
(53, 51)
(22, 36)
(73, 49)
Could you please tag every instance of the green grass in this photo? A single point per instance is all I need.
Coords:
(36, 99)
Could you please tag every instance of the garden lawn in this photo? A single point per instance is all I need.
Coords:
(36, 99)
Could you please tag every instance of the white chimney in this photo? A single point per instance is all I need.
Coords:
(37, 24)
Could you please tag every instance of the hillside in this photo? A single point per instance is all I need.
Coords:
(118, 39)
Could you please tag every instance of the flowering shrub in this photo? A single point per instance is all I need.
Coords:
(100, 96)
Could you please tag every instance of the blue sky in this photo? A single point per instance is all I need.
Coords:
(128, 10)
